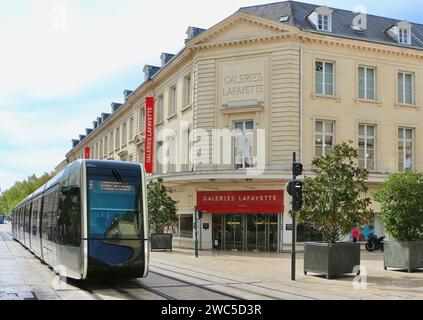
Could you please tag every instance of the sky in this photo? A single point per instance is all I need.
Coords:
(62, 62)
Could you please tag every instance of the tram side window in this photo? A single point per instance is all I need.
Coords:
(46, 217)
(34, 217)
(54, 214)
(69, 222)
(27, 218)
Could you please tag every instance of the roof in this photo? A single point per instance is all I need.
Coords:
(341, 22)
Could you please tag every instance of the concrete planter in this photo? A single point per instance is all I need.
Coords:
(331, 259)
(407, 255)
(161, 241)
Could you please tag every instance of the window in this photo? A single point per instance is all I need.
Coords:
(124, 134)
(405, 149)
(69, 220)
(405, 88)
(111, 142)
(186, 226)
(323, 22)
(171, 142)
(325, 137)
(117, 138)
(367, 83)
(188, 152)
(404, 36)
(325, 78)
(101, 149)
(160, 157)
(187, 90)
(243, 144)
(173, 101)
(106, 146)
(160, 109)
(131, 128)
(114, 204)
(142, 120)
(367, 146)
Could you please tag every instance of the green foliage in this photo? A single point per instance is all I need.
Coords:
(401, 199)
(161, 207)
(20, 190)
(335, 199)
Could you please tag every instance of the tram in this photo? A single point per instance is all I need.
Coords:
(89, 221)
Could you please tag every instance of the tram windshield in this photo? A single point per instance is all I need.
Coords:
(114, 203)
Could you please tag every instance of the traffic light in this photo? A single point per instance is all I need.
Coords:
(295, 190)
(297, 169)
(297, 195)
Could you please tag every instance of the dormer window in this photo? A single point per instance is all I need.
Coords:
(323, 22)
(401, 32)
(321, 18)
(403, 36)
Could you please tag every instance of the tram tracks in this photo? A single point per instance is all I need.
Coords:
(252, 287)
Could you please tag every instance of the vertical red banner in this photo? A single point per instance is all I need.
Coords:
(87, 152)
(149, 135)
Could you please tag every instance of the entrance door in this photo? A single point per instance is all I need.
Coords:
(234, 232)
(217, 231)
(256, 232)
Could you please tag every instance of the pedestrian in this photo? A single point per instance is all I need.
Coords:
(355, 234)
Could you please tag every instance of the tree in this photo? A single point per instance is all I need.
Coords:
(161, 207)
(401, 199)
(335, 199)
(20, 190)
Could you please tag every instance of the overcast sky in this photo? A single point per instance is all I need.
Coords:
(63, 62)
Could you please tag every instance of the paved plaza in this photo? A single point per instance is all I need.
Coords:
(250, 276)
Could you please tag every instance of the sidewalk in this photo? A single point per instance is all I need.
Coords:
(269, 274)
(24, 277)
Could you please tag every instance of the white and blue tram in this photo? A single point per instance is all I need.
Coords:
(89, 221)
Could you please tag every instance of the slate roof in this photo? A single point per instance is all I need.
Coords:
(341, 22)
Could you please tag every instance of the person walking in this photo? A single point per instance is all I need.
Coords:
(355, 234)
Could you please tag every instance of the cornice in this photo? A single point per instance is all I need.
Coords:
(360, 45)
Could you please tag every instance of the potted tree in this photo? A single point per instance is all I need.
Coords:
(161, 214)
(401, 199)
(335, 199)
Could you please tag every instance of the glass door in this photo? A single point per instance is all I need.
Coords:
(233, 232)
(217, 231)
(256, 232)
(273, 233)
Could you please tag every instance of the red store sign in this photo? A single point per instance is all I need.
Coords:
(241, 201)
(149, 135)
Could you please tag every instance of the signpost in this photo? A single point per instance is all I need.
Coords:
(198, 217)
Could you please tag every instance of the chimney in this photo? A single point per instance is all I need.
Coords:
(150, 71)
(74, 143)
(116, 106)
(126, 94)
(88, 131)
(192, 32)
(104, 116)
(165, 58)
